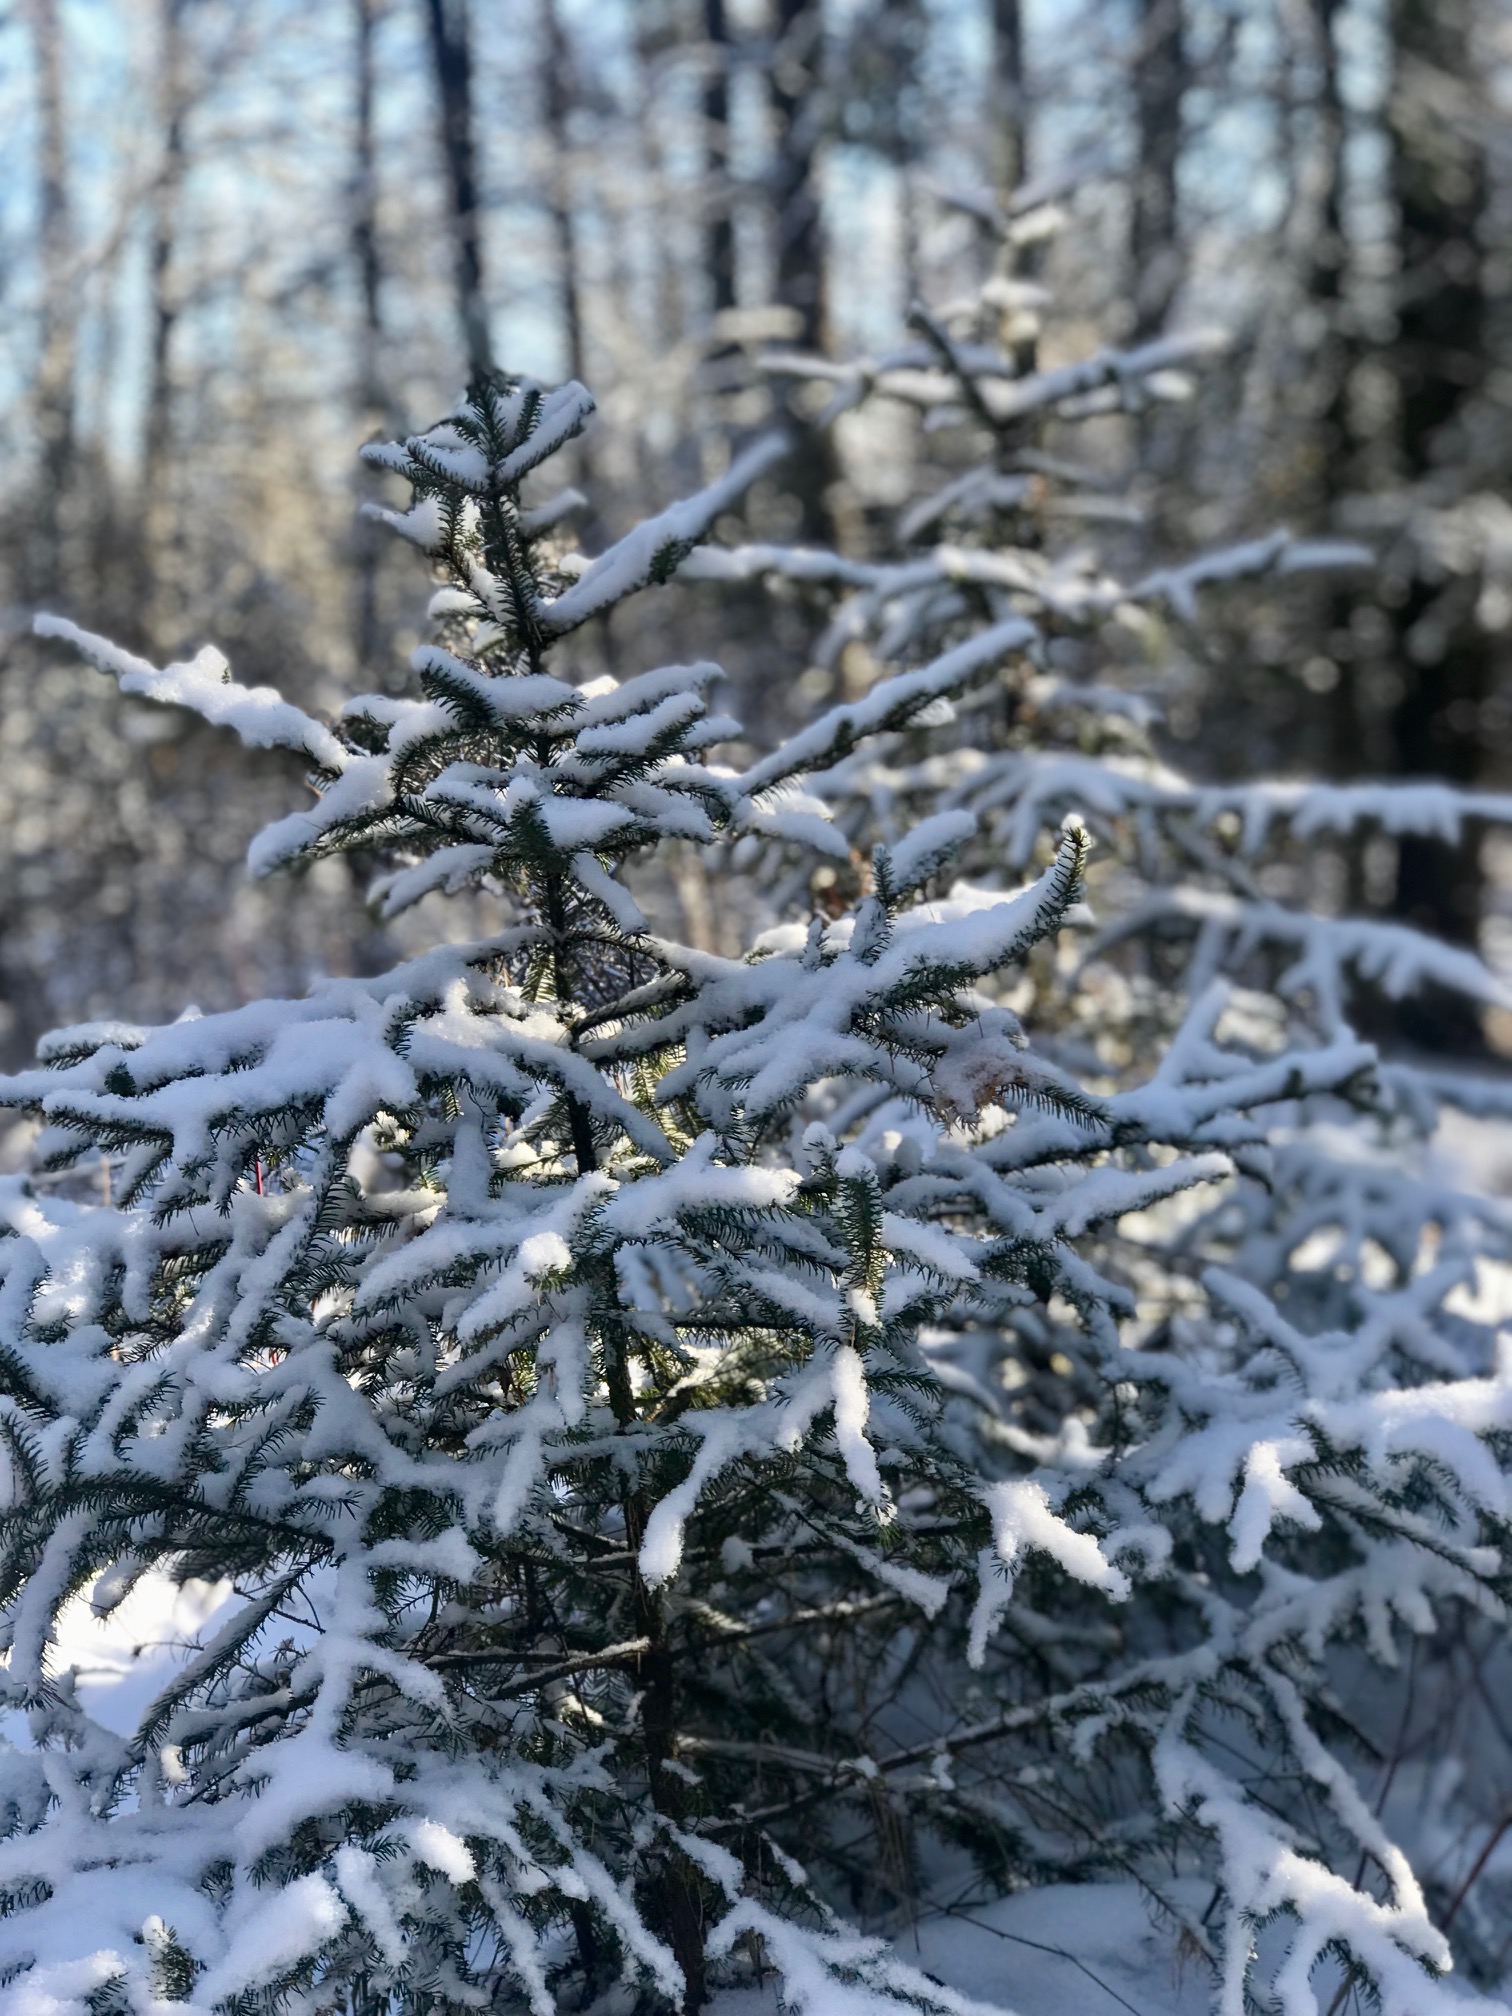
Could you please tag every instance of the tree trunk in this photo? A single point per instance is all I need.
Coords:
(1161, 75)
(656, 42)
(1009, 142)
(1338, 457)
(675, 1902)
(365, 250)
(719, 248)
(671, 1882)
(797, 225)
(1439, 363)
(556, 96)
(370, 401)
(1010, 108)
(55, 387)
(795, 85)
(159, 526)
(451, 57)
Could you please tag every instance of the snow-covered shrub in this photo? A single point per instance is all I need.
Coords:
(692, 1451)
(1347, 1272)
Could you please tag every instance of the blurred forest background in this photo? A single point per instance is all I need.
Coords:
(240, 237)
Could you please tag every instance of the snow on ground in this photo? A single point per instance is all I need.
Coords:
(1019, 1953)
(1066, 1950)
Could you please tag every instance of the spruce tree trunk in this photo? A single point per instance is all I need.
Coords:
(676, 1907)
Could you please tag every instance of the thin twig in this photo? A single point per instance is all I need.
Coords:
(1475, 1869)
(624, 1654)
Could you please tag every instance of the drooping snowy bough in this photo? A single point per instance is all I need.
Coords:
(691, 1451)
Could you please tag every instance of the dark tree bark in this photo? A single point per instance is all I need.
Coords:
(1439, 364)
(159, 516)
(367, 257)
(1009, 139)
(898, 113)
(719, 248)
(1326, 261)
(1337, 455)
(365, 250)
(56, 348)
(162, 243)
(557, 98)
(1409, 702)
(1010, 107)
(451, 58)
(795, 84)
(1161, 76)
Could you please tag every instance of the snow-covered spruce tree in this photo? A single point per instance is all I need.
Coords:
(452, 1322)
(579, 1361)
(1336, 1287)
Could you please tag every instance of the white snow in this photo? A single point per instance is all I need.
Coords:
(261, 717)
